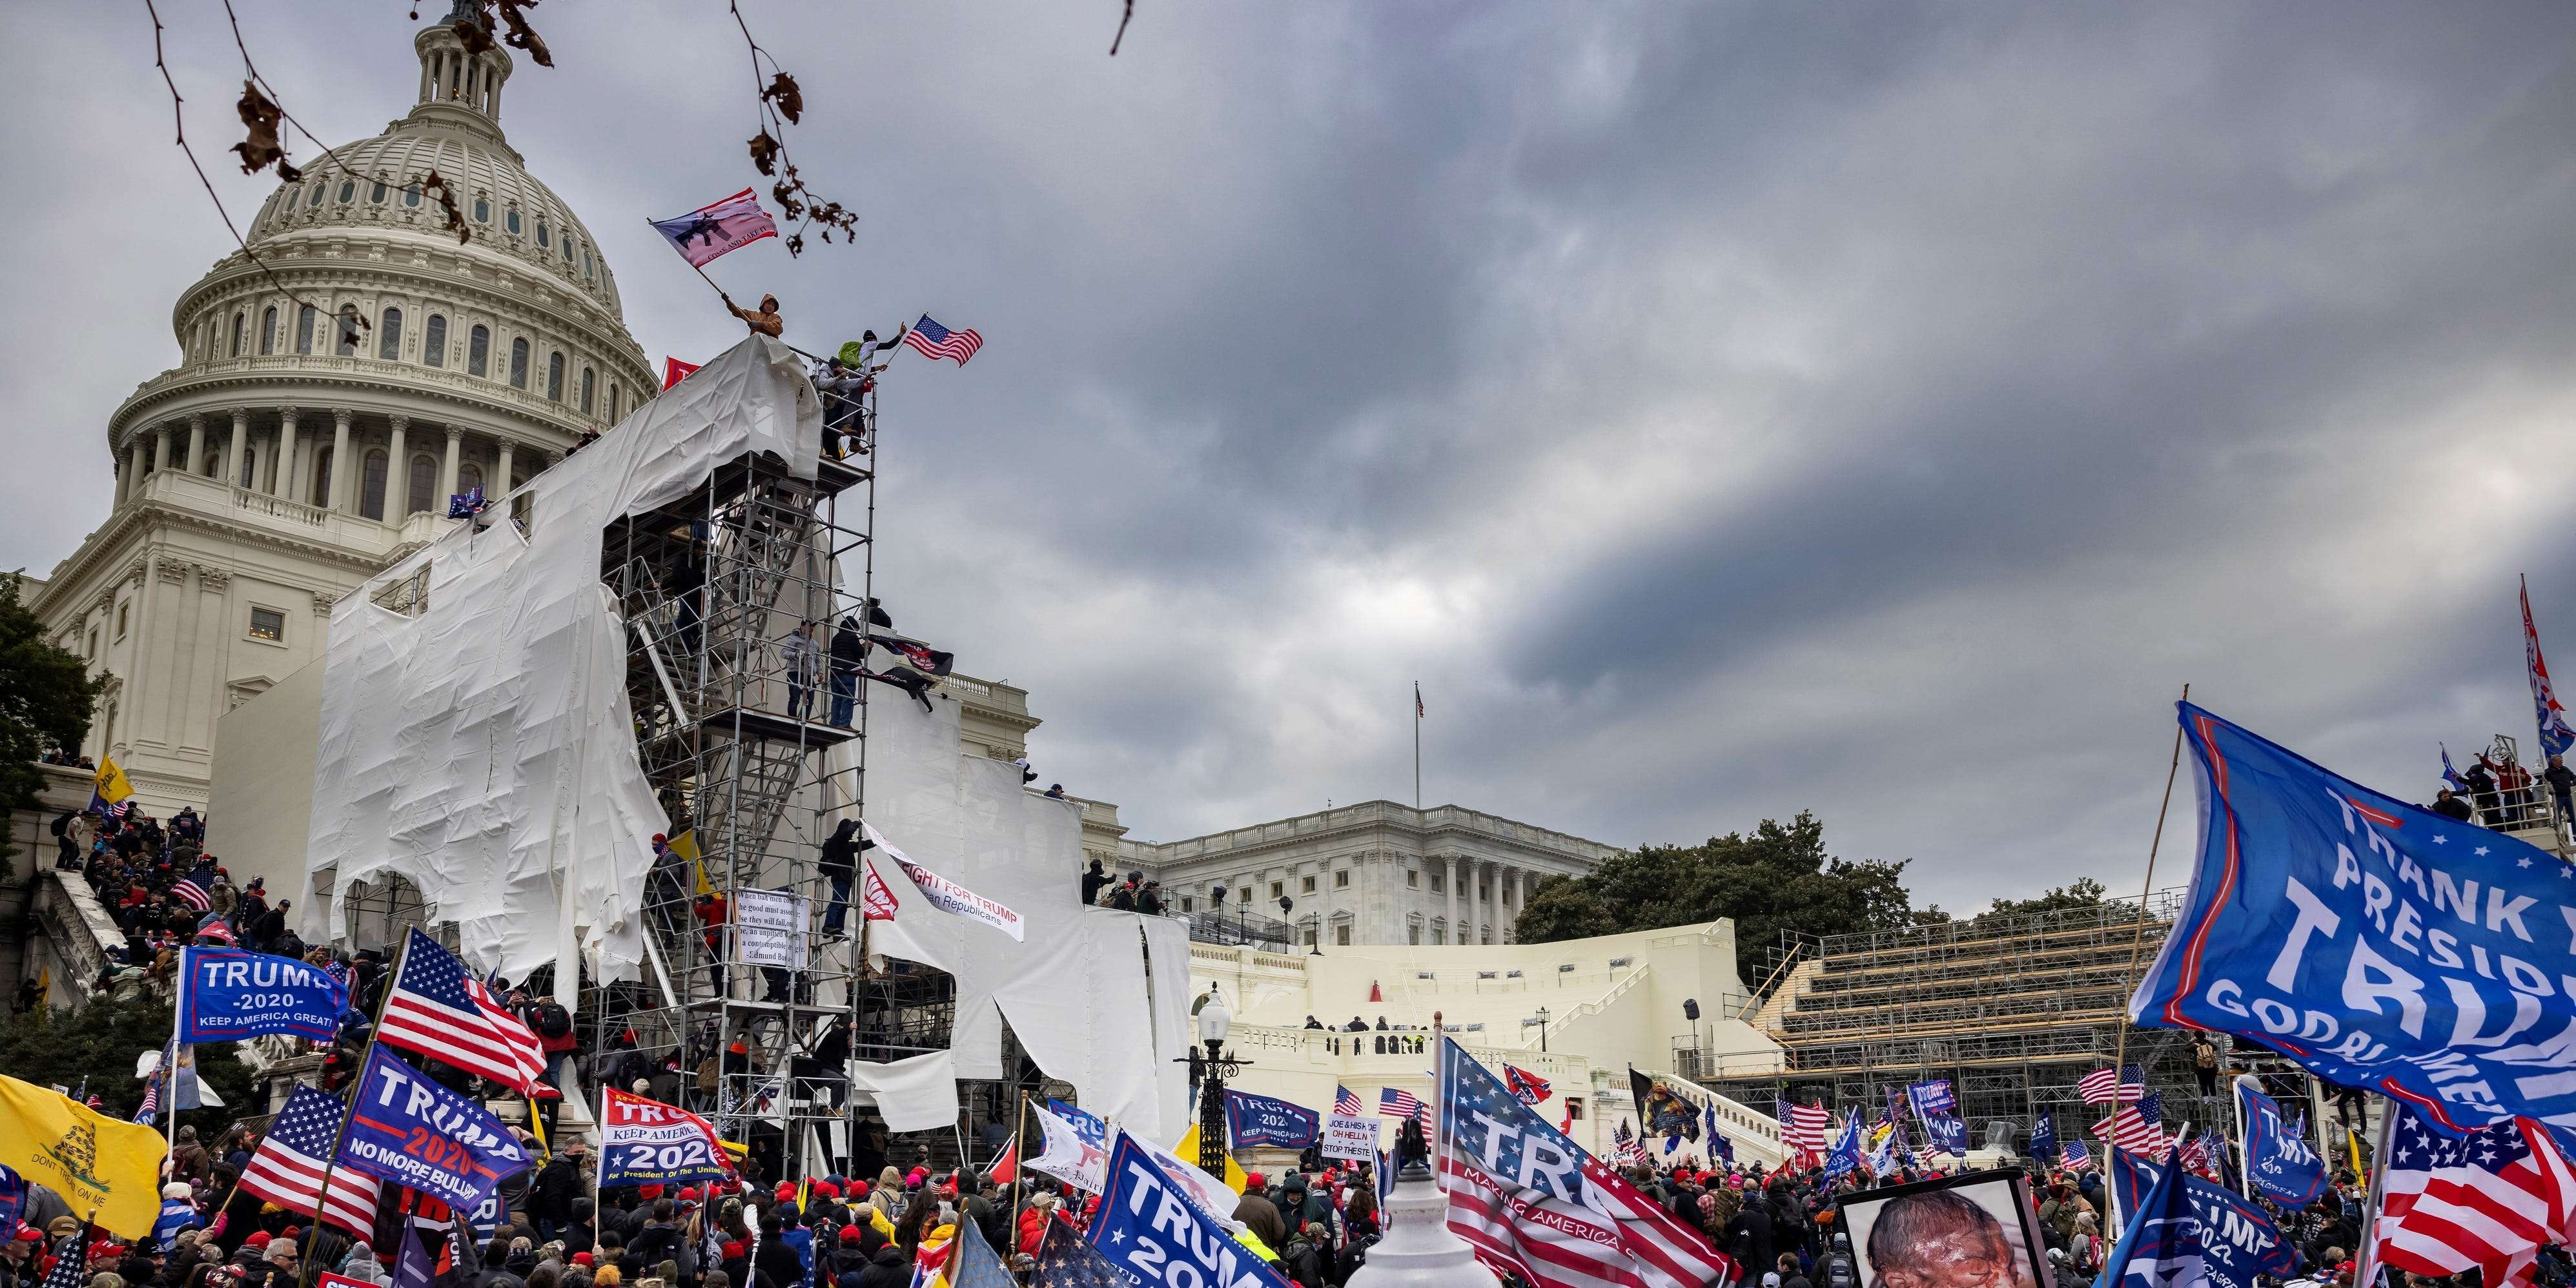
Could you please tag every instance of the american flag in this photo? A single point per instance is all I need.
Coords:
(187, 891)
(2137, 1128)
(2076, 1156)
(144, 1113)
(1572, 1223)
(438, 1010)
(1345, 1100)
(2484, 1201)
(1065, 1261)
(71, 1260)
(2096, 1087)
(287, 1169)
(2194, 1158)
(1392, 1103)
(1802, 1128)
(932, 340)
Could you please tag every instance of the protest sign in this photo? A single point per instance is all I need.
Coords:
(769, 928)
(1349, 1136)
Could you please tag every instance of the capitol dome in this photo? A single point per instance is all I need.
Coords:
(373, 336)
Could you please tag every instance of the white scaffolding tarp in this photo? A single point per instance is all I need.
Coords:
(484, 749)
(1076, 991)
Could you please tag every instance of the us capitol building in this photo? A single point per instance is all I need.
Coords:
(320, 418)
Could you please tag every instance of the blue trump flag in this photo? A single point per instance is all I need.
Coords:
(226, 994)
(1845, 1157)
(1946, 1132)
(1262, 1120)
(2043, 1138)
(2377, 944)
(2233, 1239)
(409, 1130)
(2279, 1160)
(1093, 1130)
(1156, 1233)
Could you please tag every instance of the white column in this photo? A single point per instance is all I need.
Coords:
(281, 469)
(397, 474)
(500, 486)
(196, 444)
(447, 470)
(343, 497)
(1452, 883)
(160, 448)
(132, 477)
(241, 447)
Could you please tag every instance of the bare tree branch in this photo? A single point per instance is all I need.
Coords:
(781, 104)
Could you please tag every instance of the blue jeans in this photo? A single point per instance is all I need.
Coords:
(845, 697)
(839, 910)
(800, 695)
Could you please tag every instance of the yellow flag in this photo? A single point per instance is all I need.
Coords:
(90, 1159)
(1188, 1152)
(686, 846)
(110, 786)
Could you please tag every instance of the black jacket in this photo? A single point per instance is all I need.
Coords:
(890, 1269)
(841, 850)
(778, 1261)
(849, 648)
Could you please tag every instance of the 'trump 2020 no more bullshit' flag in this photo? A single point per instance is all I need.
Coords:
(948, 896)
(411, 1131)
(712, 230)
(2378, 944)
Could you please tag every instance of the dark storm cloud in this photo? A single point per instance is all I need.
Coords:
(1722, 409)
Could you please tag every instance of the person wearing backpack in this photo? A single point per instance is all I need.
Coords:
(552, 1024)
(1839, 1270)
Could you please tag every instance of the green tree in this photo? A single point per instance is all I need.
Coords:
(2084, 894)
(1775, 878)
(45, 700)
(99, 1042)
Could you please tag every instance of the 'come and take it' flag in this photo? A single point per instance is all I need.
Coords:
(92, 1160)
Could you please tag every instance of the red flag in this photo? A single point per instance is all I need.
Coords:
(1375, 994)
(674, 371)
(876, 902)
(1006, 1169)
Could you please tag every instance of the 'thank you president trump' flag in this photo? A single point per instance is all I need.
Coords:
(2378, 944)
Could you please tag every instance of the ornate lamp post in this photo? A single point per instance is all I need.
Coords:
(1210, 1071)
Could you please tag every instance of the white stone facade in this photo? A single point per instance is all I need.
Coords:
(234, 527)
(1372, 873)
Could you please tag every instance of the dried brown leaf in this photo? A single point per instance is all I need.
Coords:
(764, 152)
(436, 186)
(477, 34)
(790, 100)
(522, 36)
(796, 244)
(259, 149)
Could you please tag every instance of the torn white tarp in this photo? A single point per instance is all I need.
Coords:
(484, 749)
(1076, 990)
(919, 1094)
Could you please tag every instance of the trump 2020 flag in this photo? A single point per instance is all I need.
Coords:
(2161, 1248)
(2555, 736)
(1947, 1133)
(1535, 1204)
(717, 228)
(1159, 1234)
(411, 1131)
(2377, 944)
(2236, 1243)
(2043, 1138)
(2278, 1160)
(1266, 1120)
(226, 994)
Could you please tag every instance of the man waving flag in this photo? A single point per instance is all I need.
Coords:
(711, 231)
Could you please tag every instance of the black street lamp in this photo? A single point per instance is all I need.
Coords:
(1210, 1071)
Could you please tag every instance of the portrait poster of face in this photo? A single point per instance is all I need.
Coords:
(1976, 1230)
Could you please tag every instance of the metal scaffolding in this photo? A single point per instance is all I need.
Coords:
(2012, 1008)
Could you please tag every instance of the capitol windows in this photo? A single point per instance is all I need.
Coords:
(554, 376)
(268, 624)
(1305, 885)
(518, 364)
(585, 263)
(612, 400)
(1278, 888)
(378, 195)
(317, 196)
(304, 320)
(411, 193)
(1412, 878)
(120, 619)
(268, 331)
(1342, 879)
(482, 210)
(348, 191)
(389, 336)
(241, 336)
(478, 350)
(348, 346)
(371, 486)
(586, 376)
(424, 475)
(541, 233)
(510, 221)
(469, 476)
(433, 341)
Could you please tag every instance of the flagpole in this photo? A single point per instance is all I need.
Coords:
(1417, 744)
(1019, 1169)
(170, 1074)
(2244, 1144)
(2368, 1266)
(349, 1110)
(2138, 935)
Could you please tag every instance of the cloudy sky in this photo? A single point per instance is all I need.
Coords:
(1722, 410)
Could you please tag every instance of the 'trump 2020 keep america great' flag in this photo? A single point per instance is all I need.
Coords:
(714, 229)
(2378, 944)
(1531, 1201)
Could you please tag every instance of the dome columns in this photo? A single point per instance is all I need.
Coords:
(233, 472)
(447, 468)
(397, 470)
(290, 454)
(343, 495)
